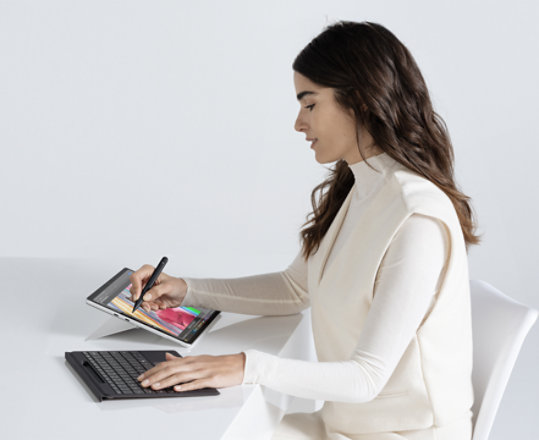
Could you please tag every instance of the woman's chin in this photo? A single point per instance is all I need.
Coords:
(322, 160)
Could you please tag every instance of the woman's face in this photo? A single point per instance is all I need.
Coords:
(330, 128)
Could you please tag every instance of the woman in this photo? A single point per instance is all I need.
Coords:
(383, 264)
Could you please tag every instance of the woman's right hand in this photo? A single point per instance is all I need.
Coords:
(167, 291)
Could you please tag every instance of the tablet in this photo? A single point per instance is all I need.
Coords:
(183, 325)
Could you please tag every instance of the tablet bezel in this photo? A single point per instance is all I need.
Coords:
(132, 320)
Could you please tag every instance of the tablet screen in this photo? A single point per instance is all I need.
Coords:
(184, 323)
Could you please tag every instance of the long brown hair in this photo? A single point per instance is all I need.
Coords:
(375, 75)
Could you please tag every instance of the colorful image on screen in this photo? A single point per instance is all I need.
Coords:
(172, 321)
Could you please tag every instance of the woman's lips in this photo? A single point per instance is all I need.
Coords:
(314, 142)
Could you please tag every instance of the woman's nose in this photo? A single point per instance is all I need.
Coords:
(300, 124)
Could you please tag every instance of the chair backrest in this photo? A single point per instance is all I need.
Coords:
(499, 326)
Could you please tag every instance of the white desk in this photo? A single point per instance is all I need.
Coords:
(44, 314)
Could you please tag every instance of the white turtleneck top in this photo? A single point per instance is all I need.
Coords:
(407, 282)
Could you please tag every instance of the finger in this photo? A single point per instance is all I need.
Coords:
(171, 362)
(177, 379)
(159, 304)
(138, 279)
(156, 292)
(153, 370)
(160, 372)
(150, 377)
(193, 385)
(147, 306)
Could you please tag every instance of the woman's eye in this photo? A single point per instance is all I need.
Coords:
(310, 107)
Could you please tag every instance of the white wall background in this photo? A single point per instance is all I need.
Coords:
(135, 129)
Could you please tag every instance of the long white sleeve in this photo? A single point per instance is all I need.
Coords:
(278, 293)
(406, 284)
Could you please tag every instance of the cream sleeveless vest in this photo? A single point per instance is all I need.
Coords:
(431, 386)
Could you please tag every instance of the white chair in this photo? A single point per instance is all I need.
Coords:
(499, 325)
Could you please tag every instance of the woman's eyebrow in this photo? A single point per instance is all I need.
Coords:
(306, 92)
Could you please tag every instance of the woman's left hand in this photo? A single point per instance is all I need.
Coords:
(195, 372)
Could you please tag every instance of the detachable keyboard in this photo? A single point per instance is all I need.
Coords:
(113, 374)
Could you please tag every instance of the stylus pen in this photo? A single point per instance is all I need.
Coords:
(150, 282)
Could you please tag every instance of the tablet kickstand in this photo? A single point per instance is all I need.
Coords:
(110, 327)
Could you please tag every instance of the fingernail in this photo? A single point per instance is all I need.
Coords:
(140, 377)
(146, 382)
(178, 387)
(148, 297)
(156, 385)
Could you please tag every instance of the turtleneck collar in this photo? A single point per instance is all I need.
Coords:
(367, 179)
